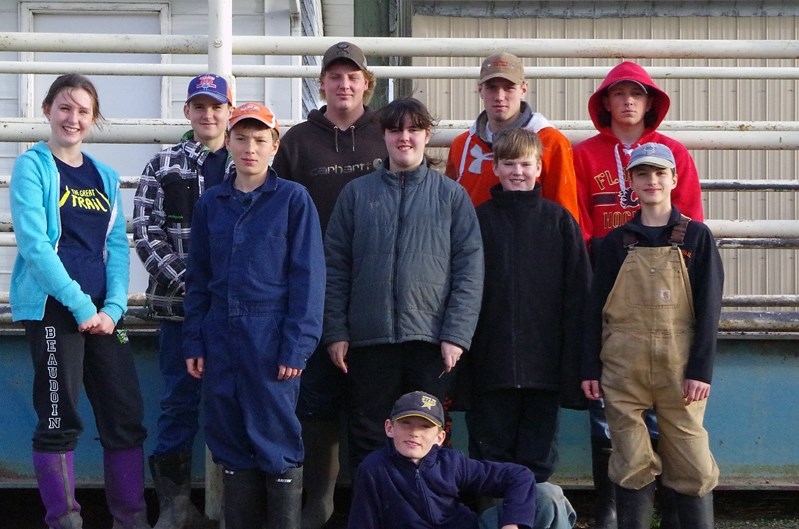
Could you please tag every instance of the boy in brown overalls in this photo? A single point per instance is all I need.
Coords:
(650, 341)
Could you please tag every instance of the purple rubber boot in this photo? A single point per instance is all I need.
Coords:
(124, 488)
(55, 475)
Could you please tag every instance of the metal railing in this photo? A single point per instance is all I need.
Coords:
(699, 135)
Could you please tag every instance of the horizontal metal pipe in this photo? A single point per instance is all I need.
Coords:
(131, 181)
(692, 139)
(138, 299)
(398, 72)
(166, 132)
(757, 243)
(752, 234)
(402, 46)
(749, 185)
(782, 323)
(754, 228)
(761, 300)
(11, 123)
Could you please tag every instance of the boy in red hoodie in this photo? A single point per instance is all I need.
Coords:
(626, 109)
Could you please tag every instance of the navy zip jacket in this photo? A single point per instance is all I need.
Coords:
(391, 492)
(705, 273)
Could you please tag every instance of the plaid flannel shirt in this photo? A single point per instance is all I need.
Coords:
(168, 188)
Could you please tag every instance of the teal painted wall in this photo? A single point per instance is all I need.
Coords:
(752, 417)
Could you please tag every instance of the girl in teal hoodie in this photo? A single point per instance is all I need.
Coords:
(69, 289)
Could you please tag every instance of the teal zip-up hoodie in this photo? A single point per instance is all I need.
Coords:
(38, 271)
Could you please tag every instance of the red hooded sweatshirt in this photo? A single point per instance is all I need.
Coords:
(605, 198)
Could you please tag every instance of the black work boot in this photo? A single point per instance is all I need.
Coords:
(634, 507)
(320, 438)
(172, 478)
(244, 498)
(695, 512)
(667, 506)
(605, 506)
(284, 499)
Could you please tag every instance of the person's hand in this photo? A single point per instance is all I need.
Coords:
(286, 372)
(338, 354)
(105, 326)
(695, 390)
(450, 353)
(592, 389)
(195, 366)
(90, 324)
(510, 526)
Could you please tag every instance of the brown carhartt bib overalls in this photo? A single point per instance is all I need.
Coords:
(647, 333)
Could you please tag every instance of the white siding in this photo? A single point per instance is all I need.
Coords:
(250, 17)
(748, 271)
(339, 18)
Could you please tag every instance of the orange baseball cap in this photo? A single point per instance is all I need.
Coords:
(255, 111)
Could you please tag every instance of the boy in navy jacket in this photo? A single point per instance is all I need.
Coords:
(414, 482)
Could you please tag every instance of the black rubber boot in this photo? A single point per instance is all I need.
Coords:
(284, 500)
(695, 512)
(321, 441)
(605, 506)
(666, 506)
(244, 499)
(634, 507)
(172, 478)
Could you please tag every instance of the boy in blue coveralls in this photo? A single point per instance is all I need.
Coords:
(650, 339)
(255, 289)
(415, 482)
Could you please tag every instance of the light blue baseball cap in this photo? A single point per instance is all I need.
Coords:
(652, 153)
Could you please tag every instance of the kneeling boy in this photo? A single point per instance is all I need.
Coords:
(415, 482)
(255, 288)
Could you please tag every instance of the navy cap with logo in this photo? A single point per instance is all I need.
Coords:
(211, 85)
(344, 51)
(419, 404)
(651, 153)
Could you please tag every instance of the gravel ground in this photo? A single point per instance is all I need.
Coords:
(759, 509)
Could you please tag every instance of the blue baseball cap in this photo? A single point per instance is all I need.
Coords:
(651, 153)
(211, 85)
(419, 404)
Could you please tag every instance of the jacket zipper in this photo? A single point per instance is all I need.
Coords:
(395, 278)
(423, 494)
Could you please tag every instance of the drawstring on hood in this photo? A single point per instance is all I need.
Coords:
(336, 130)
(317, 117)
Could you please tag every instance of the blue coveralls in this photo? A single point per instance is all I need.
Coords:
(254, 301)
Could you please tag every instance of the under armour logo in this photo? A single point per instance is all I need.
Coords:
(479, 157)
